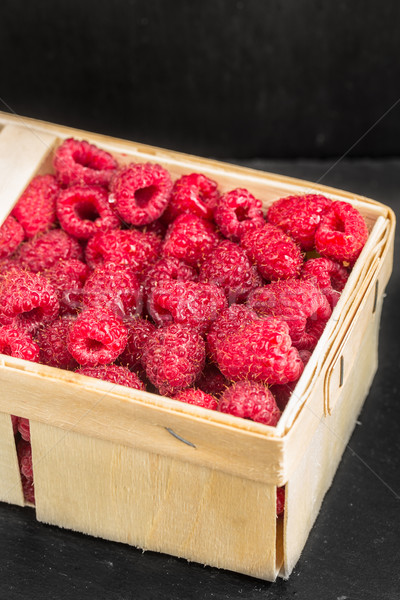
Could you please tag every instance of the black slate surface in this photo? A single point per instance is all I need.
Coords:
(353, 552)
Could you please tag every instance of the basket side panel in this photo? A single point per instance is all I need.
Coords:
(154, 502)
(10, 479)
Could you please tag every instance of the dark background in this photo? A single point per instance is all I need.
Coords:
(287, 86)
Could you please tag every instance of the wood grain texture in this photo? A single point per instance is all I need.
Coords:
(10, 479)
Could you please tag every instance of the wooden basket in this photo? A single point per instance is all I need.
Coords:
(162, 475)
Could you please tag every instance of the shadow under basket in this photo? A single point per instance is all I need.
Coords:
(163, 475)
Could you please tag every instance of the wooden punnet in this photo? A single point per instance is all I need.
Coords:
(162, 475)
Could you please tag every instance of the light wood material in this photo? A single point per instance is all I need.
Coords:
(10, 479)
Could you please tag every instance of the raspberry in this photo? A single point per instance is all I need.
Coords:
(195, 194)
(228, 267)
(250, 400)
(283, 392)
(52, 341)
(97, 337)
(238, 212)
(341, 234)
(24, 428)
(329, 276)
(190, 238)
(67, 278)
(140, 192)
(174, 357)
(198, 398)
(157, 227)
(28, 489)
(235, 318)
(36, 208)
(114, 374)
(139, 331)
(84, 211)
(18, 343)
(280, 501)
(28, 299)
(166, 269)
(304, 308)
(11, 235)
(6, 264)
(275, 254)
(299, 216)
(188, 303)
(24, 452)
(114, 287)
(45, 250)
(131, 248)
(211, 381)
(260, 351)
(77, 162)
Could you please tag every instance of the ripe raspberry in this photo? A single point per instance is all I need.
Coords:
(97, 337)
(84, 211)
(299, 216)
(28, 489)
(28, 299)
(114, 374)
(24, 428)
(36, 208)
(81, 163)
(283, 392)
(195, 194)
(45, 250)
(238, 212)
(11, 235)
(262, 351)
(250, 400)
(24, 452)
(18, 343)
(189, 303)
(130, 248)
(329, 276)
(166, 269)
(7, 264)
(139, 331)
(275, 254)
(198, 398)
(341, 234)
(190, 238)
(67, 278)
(52, 341)
(140, 192)
(233, 319)
(304, 308)
(211, 381)
(114, 287)
(157, 227)
(280, 501)
(174, 357)
(228, 267)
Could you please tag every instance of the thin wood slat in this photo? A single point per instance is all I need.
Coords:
(10, 479)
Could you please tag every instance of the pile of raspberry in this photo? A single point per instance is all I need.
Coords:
(119, 273)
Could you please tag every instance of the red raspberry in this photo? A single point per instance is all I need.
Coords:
(131, 248)
(114, 374)
(304, 308)
(198, 398)
(36, 208)
(341, 234)
(189, 303)
(228, 267)
(211, 381)
(140, 192)
(233, 319)
(84, 211)
(261, 351)
(157, 227)
(275, 254)
(77, 162)
(195, 194)
(24, 452)
(28, 299)
(190, 238)
(67, 278)
(18, 343)
(11, 235)
(24, 428)
(6, 264)
(280, 501)
(299, 216)
(283, 392)
(114, 287)
(166, 269)
(45, 250)
(28, 489)
(139, 331)
(97, 337)
(238, 212)
(174, 357)
(250, 400)
(52, 341)
(329, 276)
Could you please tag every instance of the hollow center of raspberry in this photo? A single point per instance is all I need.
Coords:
(241, 213)
(86, 159)
(339, 226)
(86, 211)
(144, 195)
(93, 345)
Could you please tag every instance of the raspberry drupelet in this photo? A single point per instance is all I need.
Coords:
(211, 381)
(68, 278)
(328, 275)
(198, 398)
(45, 250)
(250, 400)
(11, 236)
(78, 162)
(166, 269)
(190, 239)
(231, 320)
(113, 374)
(195, 194)
(238, 212)
(36, 208)
(53, 343)
(24, 428)
(139, 331)
(114, 287)
(18, 343)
